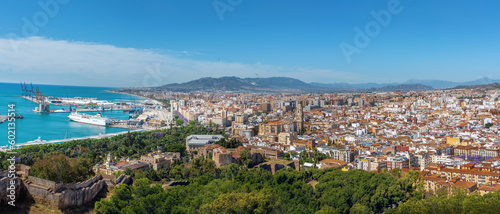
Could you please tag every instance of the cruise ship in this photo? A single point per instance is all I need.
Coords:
(97, 120)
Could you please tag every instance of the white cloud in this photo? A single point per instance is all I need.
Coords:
(47, 61)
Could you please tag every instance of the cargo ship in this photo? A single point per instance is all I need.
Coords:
(97, 120)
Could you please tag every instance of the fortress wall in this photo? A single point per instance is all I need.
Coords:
(71, 195)
(4, 184)
(42, 195)
(71, 198)
(79, 185)
(42, 182)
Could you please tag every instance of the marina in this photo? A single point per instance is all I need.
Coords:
(48, 116)
(90, 105)
(77, 103)
(54, 125)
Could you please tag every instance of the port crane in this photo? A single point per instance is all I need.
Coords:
(31, 91)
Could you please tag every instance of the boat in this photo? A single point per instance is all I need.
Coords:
(129, 111)
(97, 120)
(36, 142)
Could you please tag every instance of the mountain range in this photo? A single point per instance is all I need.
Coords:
(286, 84)
(436, 84)
(491, 86)
(242, 84)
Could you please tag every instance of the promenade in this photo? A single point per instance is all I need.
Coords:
(43, 142)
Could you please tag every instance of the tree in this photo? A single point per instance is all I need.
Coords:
(286, 156)
(261, 202)
(326, 210)
(396, 172)
(179, 122)
(246, 157)
(360, 209)
(181, 148)
(128, 171)
(488, 125)
(412, 184)
(60, 168)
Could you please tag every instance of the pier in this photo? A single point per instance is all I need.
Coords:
(81, 104)
(78, 110)
(3, 118)
(44, 107)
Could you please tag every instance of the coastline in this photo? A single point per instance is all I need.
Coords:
(116, 92)
(146, 98)
(35, 124)
(52, 142)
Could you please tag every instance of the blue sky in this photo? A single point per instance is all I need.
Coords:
(148, 43)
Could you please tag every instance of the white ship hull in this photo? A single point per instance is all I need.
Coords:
(88, 119)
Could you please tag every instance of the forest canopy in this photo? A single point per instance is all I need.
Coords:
(237, 189)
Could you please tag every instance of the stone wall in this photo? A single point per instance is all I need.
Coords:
(123, 179)
(63, 195)
(4, 184)
(80, 185)
(73, 198)
(273, 167)
(23, 170)
(42, 182)
(42, 195)
(294, 165)
(57, 195)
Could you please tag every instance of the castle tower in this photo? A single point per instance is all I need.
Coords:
(109, 160)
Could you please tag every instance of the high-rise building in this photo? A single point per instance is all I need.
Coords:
(299, 117)
(266, 107)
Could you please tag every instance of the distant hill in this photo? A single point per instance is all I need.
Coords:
(278, 82)
(436, 84)
(404, 87)
(433, 83)
(241, 84)
(482, 81)
(440, 84)
(491, 86)
(352, 86)
(286, 84)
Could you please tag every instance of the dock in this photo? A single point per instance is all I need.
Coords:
(122, 126)
(78, 110)
(45, 107)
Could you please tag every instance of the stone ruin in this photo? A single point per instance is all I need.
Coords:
(58, 195)
(273, 167)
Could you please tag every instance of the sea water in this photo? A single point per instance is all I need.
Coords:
(56, 126)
